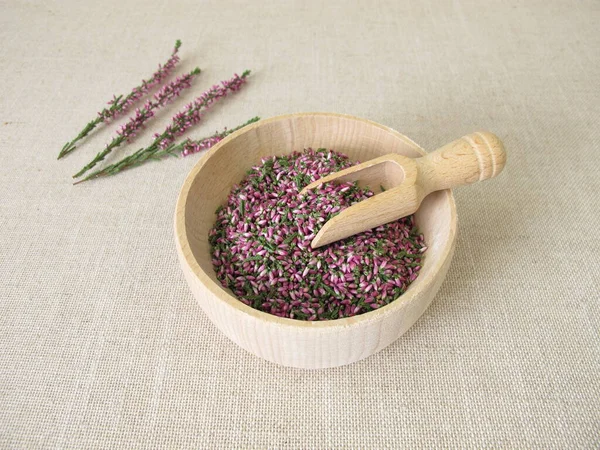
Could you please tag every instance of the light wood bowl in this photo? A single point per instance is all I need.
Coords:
(289, 342)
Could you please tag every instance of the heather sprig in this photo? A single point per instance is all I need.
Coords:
(184, 148)
(193, 112)
(127, 132)
(120, 104)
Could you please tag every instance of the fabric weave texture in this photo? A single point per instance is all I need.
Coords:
(101, 342)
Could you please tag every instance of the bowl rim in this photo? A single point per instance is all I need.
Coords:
(219, 292)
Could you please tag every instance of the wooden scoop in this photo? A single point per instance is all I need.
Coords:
(475, 157)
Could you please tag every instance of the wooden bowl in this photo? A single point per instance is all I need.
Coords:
(290, 342)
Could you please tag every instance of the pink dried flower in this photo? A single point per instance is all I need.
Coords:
(164, 96)
(261, 244)
(119, 107)
(197, 146)
(193, 112)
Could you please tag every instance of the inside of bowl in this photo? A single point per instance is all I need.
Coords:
(361, 140)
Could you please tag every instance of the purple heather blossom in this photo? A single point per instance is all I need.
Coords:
(197, 146)
(119, 107)
(193, 112)
(165, 95)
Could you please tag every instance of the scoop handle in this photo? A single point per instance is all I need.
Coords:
(475, 157)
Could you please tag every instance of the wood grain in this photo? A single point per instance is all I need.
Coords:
(407, 181)
(286, 341)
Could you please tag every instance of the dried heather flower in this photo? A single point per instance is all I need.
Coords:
(193, 113)
(192, 147)
(128, 131)
(261, 244)
(148, 154)
(120, 105)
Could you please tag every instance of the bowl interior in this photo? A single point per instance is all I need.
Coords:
(211, 180)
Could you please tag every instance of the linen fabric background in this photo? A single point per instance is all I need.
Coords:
(101, 342)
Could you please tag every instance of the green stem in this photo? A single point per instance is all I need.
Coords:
(154, 152)
(70, 146)
(101, 155)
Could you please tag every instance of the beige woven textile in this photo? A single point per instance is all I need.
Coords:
(102, 344)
